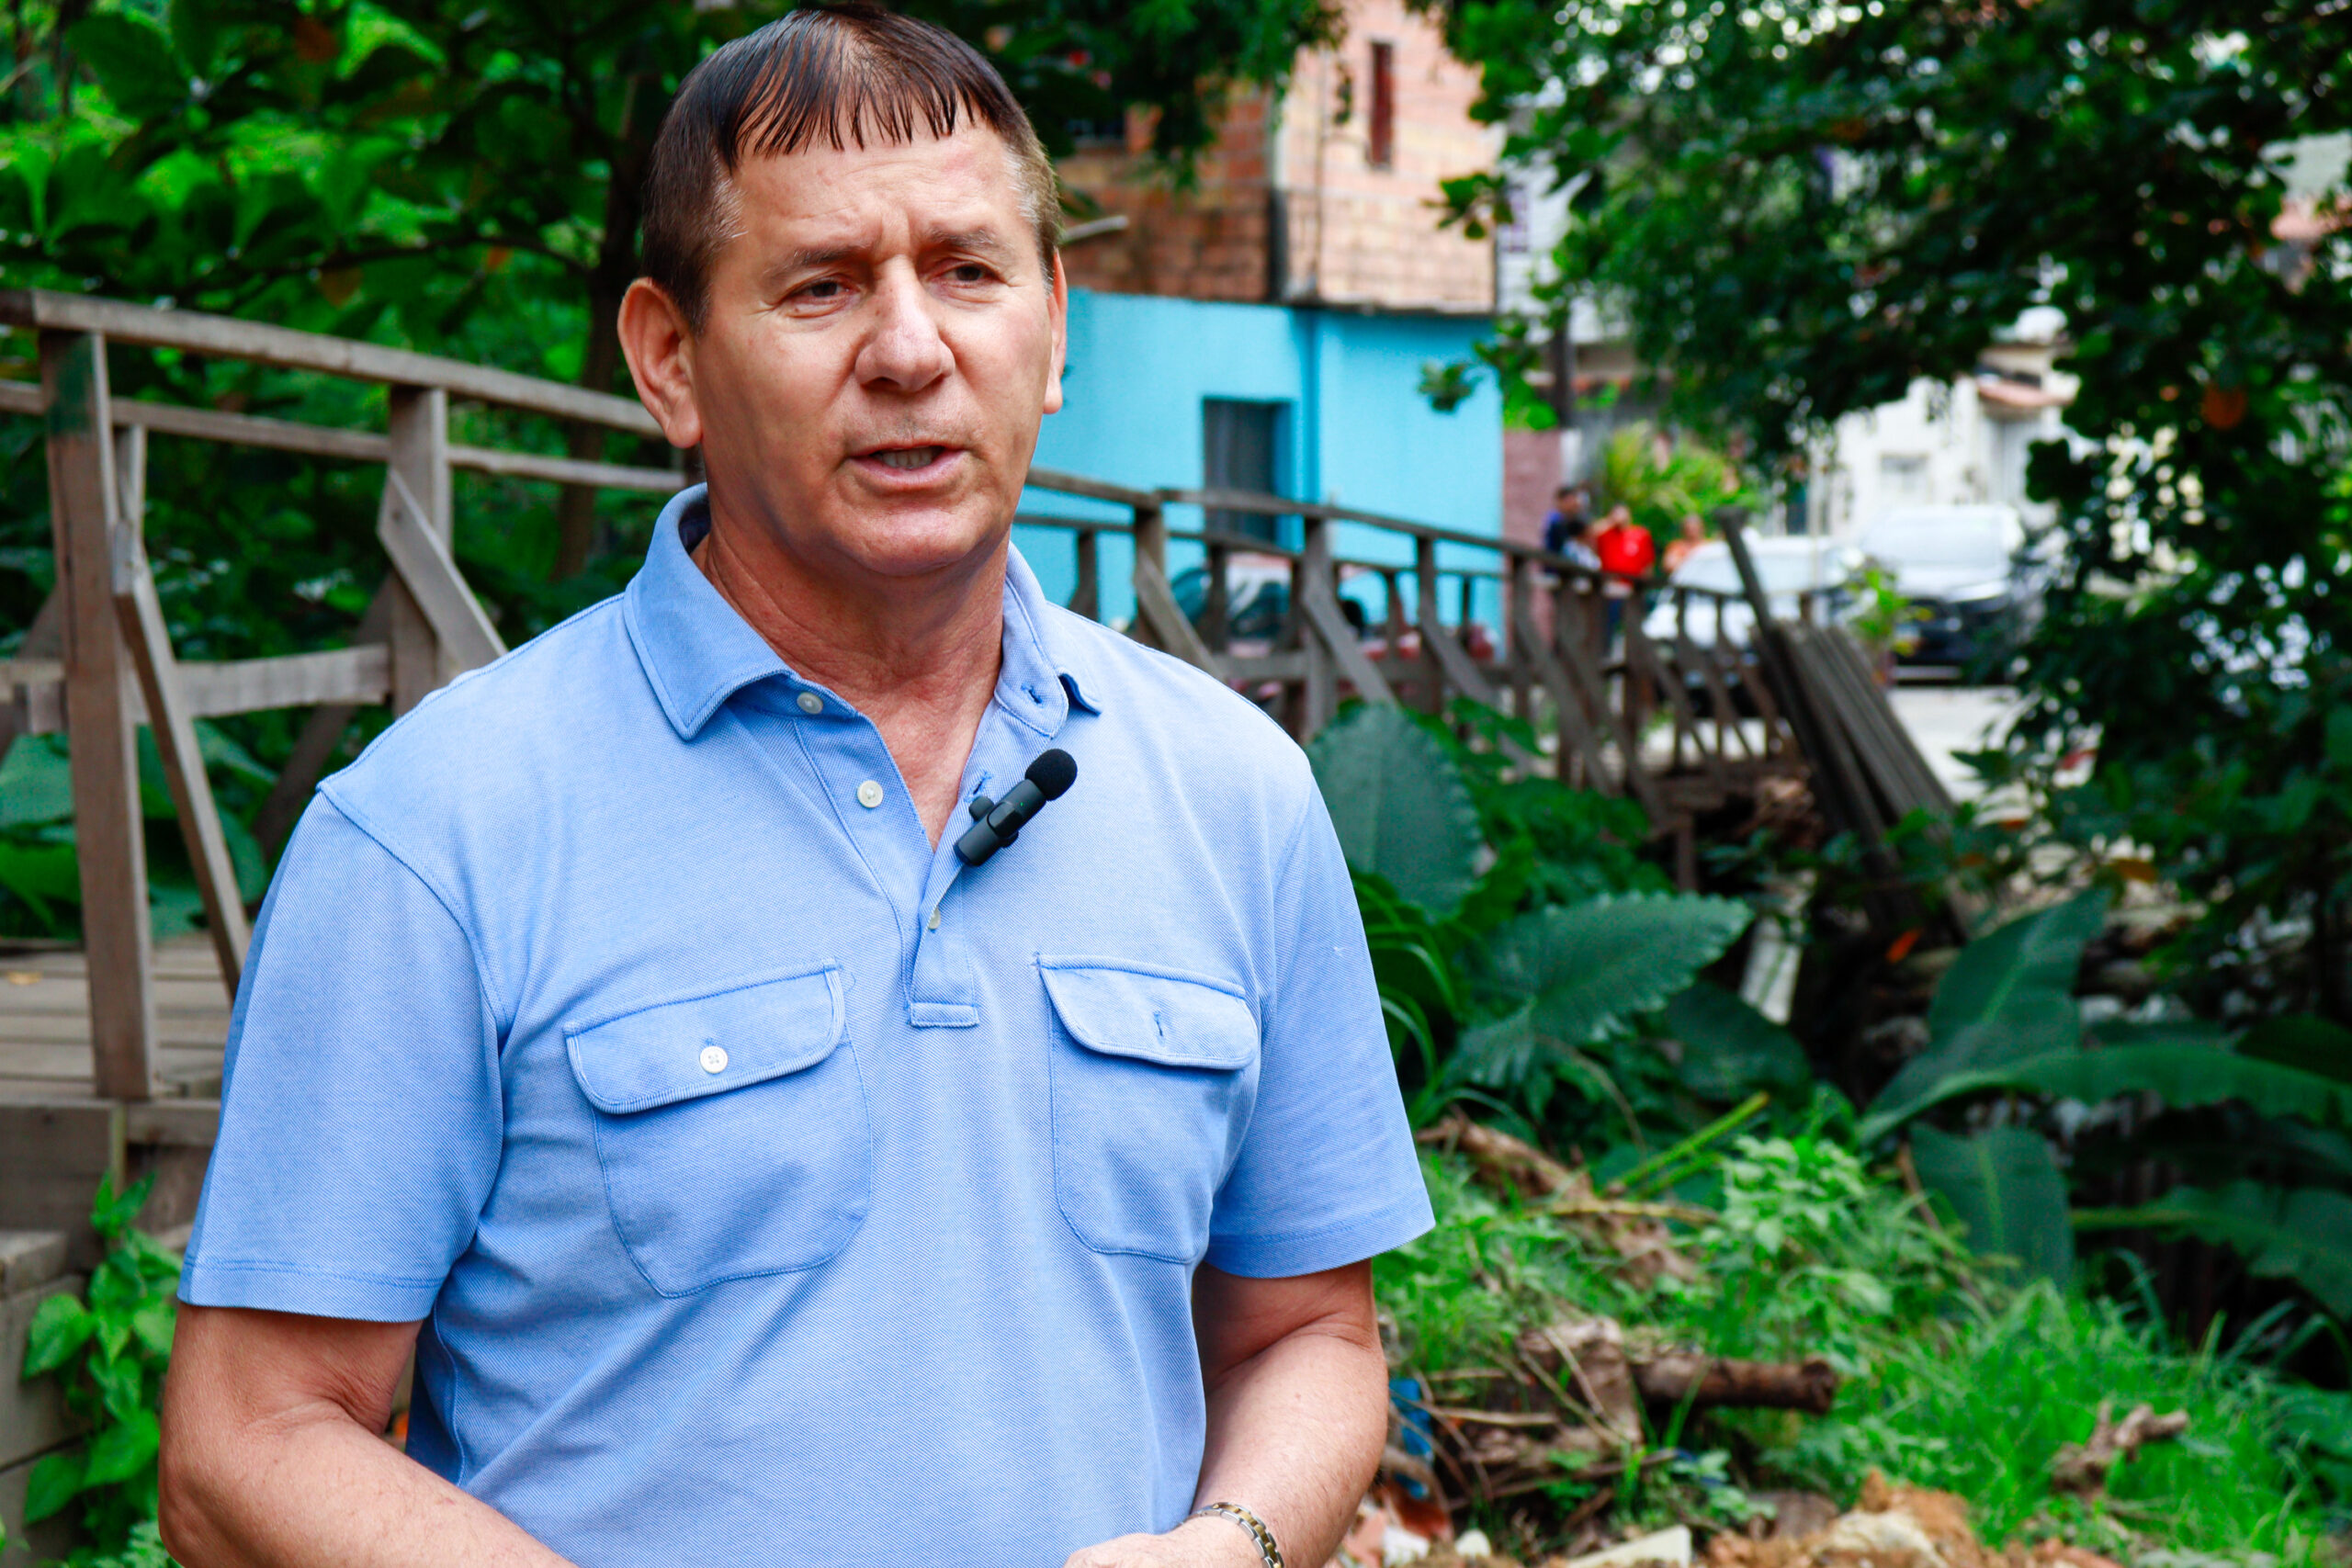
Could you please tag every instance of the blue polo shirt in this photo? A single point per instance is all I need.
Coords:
(771, 1185)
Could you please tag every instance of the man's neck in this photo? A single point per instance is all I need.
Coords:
(920, 659)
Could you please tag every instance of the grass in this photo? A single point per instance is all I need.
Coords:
(1952, 1380)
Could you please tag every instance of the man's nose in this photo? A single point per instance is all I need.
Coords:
(903, 351)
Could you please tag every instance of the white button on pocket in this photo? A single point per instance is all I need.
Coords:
(811, 703)
(714, 1059)
(869, 795)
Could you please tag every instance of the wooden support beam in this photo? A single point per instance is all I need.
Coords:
(150, 646)
(1431, 672)
(1088, 598)
(1157, 611)
(417, 455)
(1330, 641)
(1577, 742)
(432, 579)
(107, 830)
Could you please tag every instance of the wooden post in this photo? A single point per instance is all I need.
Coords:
(1088, 600)
(1215, 607)
(1158, 618)
(1425, 612)
(100, 715)
(419, 428)
(1518, 610)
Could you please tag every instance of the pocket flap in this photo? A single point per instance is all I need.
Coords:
(684, 1050)
(1157, 1015)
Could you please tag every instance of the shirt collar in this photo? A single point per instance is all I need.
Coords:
(697, 652)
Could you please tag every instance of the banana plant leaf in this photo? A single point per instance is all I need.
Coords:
(1729, 1048)
(2304, 1234)
(2004, 1185)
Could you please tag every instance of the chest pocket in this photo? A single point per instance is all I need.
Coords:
(1154, 1073)
(731, 1128)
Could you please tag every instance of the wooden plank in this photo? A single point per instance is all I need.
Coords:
(419, 421)
(348, 675)
(1088, 599)
(1096, 489)
(1719, 697)
(1686, 717)
(566, 471)
(1592, 686)
(108, 832)
(1156, 606)
(33, 1417)
(267, 344)
(174, 732)
(1329, 626)
(254, 430)
(172, 1123)
(432, 579)
(1577, 740)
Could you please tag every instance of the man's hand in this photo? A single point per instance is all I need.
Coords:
(1195, 1544)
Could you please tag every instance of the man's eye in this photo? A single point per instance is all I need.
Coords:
(823, 289)
(968, 272)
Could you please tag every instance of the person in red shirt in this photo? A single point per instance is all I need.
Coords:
(1627, 552)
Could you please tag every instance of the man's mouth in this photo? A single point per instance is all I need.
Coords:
(907, 457)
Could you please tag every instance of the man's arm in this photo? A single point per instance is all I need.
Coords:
(271, 1454)
(1297, 1416)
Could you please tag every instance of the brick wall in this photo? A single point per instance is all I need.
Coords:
(1355, 234)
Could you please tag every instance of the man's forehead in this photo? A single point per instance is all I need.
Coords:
(940, 187)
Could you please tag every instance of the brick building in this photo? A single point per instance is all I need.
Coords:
(1323, 196)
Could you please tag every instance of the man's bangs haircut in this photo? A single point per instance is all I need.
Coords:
(845, 75)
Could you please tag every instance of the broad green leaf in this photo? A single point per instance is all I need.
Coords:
(120, 1452)
(2010, 995)
(56, 1480)
(1579, 968)
(2313, 1044)
(133, 60)
(2302, 1234)
(2004, 1185)
(36, 783)
(2180, 1076)
(1399, 806)
(1729, 1048)
(61, 1326)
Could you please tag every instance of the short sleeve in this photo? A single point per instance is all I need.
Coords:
(1327, 1174)
(361, 1109)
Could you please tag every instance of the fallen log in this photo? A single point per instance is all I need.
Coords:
(1713, 1383)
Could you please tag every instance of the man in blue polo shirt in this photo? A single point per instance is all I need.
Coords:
(755, 1181)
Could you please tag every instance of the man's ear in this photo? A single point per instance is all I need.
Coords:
(661, 351)
(1060, 307)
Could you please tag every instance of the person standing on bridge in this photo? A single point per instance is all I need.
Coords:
(756, 1180)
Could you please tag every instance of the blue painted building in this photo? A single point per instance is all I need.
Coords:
(1323, 403)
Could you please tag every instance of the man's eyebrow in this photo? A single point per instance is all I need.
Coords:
(809, 258)
(983, 240)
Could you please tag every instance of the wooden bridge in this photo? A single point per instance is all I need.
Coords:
(111, 1053)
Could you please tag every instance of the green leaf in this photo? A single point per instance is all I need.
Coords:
(1729, 1048)
(2181, 1076)
(133, 60)
(2004, 1185)
(1399, 806)
(2339, 736)
(61, 1326)
(36, 783)
(2301, 1041)
(56, 1480)
(2302, 1233)
(2010, 995)
(112, 1212)
(120, 1452)
(151, 1325)
(1579, 968)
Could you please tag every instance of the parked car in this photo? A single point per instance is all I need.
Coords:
(1974, 583)
(1788, 567)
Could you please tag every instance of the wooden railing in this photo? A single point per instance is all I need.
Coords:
(98, 660)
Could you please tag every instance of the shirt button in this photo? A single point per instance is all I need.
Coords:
(869, 795)
(714, 1059)
(811, 703)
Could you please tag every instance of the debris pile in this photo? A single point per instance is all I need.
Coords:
(1889, 1527)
